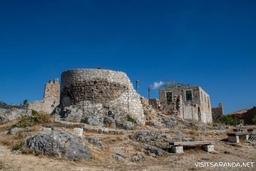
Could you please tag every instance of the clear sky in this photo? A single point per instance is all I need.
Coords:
(210, 43)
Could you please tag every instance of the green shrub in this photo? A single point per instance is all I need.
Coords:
(129, 118)
(228, 120)
(254, 120)
(34, 112)
(35, 119)
(17, 146)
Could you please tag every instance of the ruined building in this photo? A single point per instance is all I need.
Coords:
(245, 116)
(92, 95)
(186, 102)
(51, 98)
(217, 112)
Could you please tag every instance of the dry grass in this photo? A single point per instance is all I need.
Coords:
(98, 155)
(167, 112)
(35, 119)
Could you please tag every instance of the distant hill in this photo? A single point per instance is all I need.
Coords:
(3, 104)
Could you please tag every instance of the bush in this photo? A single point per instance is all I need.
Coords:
(17, 147)
(254, 120)
(228, 120)
(35, 119)
(129, 118)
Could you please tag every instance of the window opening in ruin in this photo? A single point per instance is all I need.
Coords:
(205, 98)
(199, 114)
(169, 96)
(208, 102)
(202, 98)
(188, 95)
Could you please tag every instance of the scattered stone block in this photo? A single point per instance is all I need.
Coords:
(47, 129)
(208, 148)
(78, 131)
(177, 149)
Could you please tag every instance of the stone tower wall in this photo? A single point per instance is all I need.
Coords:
(98, 87)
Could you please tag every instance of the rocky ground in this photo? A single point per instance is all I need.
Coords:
(140, 148)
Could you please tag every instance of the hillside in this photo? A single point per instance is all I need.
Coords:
(142, 148)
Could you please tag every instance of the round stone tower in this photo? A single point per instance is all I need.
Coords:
(99, 92)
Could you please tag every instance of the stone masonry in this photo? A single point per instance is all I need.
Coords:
(97, 92)
(51, 98)
(217, 112)
(186, 102)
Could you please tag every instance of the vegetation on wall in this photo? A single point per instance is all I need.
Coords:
(131, 119)
(173, 83)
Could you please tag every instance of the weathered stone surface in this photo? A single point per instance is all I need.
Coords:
(78, 131)
(119, 157)
(138, 157)
(73, 114)
(94, 141)
(109, 122)
(186, 102)
(92, 120)
(169, 122)
(109, 90)
(51, 98)
(128, 125)
(13, 113)
(17, 130)
(58, 143)
(152, 138)
(154, 150)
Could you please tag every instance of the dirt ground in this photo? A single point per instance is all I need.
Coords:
(102, 159)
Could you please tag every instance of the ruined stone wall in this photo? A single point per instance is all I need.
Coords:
(155, 103)
(51, 98)
(195, 109)
(52, 89)
(88, 88)
(217, 112)
(205, 105)
(248, 116)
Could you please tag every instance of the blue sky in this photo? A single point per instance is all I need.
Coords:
(210, 43)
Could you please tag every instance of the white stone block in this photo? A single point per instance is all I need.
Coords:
(233, 139)
(177, 149)
(209, 148)
(78, 131)
(245, 137)
(47, 129)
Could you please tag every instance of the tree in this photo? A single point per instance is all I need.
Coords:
(228, 120)
(25, 103)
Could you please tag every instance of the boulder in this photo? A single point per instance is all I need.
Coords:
(119, 157)
(91, 120)
(169, 122)
(109, 122)
(16, 130)
(138, 157)
(58, 143)
(13, 113)
(73, 114)
(154, 150)
(94, 141)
